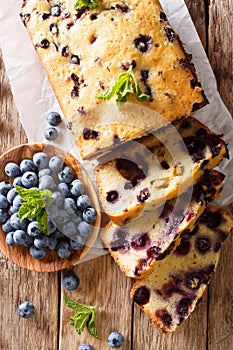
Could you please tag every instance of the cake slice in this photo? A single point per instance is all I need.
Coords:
(170, 293)
(85, 49)
(143, 243)
(143, 174)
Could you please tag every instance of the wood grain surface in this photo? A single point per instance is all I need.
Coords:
(101, 282)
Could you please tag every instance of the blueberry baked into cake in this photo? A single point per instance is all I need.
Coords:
(86, 49)
(139, 246)
(156, 168)
(169, 294)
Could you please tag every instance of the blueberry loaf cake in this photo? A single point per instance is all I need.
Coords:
(156, 168)
(87, 50)
(169, 294)
(143, 243)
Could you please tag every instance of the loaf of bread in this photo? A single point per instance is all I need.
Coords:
(144, 174)
(143, 243)
(170, 293)
(84, 51)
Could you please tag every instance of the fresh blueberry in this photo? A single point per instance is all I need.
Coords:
(41, 160)
(56, 164)
(3, 216)
(21, 237)
(89, 215)
(10, 239)
(64, 189)
(57, 234)
(51, 227)
(50, 133)
(85, 229)
(17, 201)
(26, 309)
(29, 179)
(33, 229)
(66, 175)
(37, 253)
(57, 198)
(70, 281)
(27, 165)
(3, 202)
(54, 119)
(12, 210)
(85, 346)
(41, 242)
(83, 201)
(11, 195)
(12, 170)
(78, 243)
(52, 243)
(46, 182)
(44, 172)
(18, 181)
(115, 340)
(7, 227)
(77, 188)
(70, 206)
(63, 250)
(5, 187)
(16, 223)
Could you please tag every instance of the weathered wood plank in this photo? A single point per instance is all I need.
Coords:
(17, 284)
(103, 284)
(198, 13)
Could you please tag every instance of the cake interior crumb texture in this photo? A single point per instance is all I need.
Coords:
(84, 51)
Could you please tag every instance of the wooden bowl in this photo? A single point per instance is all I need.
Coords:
(20, 254)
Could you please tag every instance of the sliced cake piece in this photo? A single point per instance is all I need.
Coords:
(169, 294)
(84, 49)
(145, 173)
(140, 245)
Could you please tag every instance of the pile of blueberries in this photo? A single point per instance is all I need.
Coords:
(69, 216)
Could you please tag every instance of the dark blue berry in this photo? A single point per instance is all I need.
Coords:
(37, 253)
(115, 340)
(3, 216)
(54, 119)
(11, 195)
(27, 165)
(29, 179)
(70, 281)
(7, 227)
(3, 202)
(5, 187)
(85, 346)
(46, 182)
(41, 242)
(12, 210)
(85, 229)
(12, 170)
(83, 202)
(26, 309)
(70, 206)
(78, 243)
(77, 188)
(63, 250)
(21, 237)
(10, 239)
(33, 229)
(66, 175)
(89, 215)
(18, 181)
(16, 223)
(50, 133)
(40, 160)
(44, 172)
(56, 164)
(64, 189)
(52, 243)
(17, 201)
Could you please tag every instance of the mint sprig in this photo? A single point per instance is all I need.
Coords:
(84, 316)
(35, 205)
(90, 4)
(125, 85)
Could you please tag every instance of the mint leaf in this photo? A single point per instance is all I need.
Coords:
(84, 316)
(125, 85)
(35, 205)
(90, 4)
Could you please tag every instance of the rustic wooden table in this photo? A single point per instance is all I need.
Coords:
(209, 327)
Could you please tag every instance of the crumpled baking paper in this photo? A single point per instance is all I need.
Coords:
(34, 97)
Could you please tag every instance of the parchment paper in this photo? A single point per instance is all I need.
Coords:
(34, 97)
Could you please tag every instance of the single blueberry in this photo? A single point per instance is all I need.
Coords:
(16, 223)
(3, 201)
(64, 189)
(17, 201)
(12, 170)
(26, 309)
(33, 229)
(21, 237)
(51, 227)
(66, 175)
(10, 239)
(85, 346)
(37, 253)
(78, 243)
(77, 188)
(41, 242)
(18, 181)
(85, 229)
(11, 195)
(63, 250)
(70, 206)
(83, 202)
(50, 133)
(5, 187)
(54, 119)
(12, 210)
(115, 340)
(46, 182)
(3, 216)
(41, 160)
(89, 215)
(7, 227)
(29, 179)
(44, 172)
(56, 163)
(52, 243)
(27, 165)
(70, 281)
